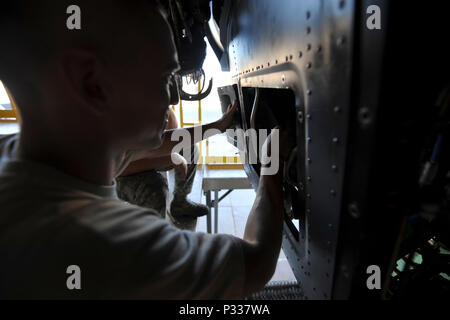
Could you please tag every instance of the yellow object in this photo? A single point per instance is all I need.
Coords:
(10, 115)
(212, 163)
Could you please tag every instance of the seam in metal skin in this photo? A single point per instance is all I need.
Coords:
(254, 109)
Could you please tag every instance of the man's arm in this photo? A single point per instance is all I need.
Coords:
(262, 239)
(263, 233)
(168, 145)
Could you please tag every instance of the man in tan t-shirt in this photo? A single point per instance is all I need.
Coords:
(91, 99)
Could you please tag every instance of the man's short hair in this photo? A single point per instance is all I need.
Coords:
(33, 31)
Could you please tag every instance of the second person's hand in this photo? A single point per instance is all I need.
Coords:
(227, 120)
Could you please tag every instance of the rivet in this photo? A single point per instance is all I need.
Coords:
(333, 192)
(300, 117)
(318, 49)
(345, 271)
(308, 47)
(341, 40)
(300, 54)
(291, 57)
(309, 160)
(309, 139)
(365, 118)
(308, 15)
(341, 4)
(335, 140)
(337, 109)
(353, 209)
(309, 92)
(308, 30)
(334, 168)
(308, 65)
(309, 179)
(308, 116)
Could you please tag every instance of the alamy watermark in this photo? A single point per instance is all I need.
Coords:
(374, 19)
(74, 20)
(74, 280)
(253, 146)
(374, 280)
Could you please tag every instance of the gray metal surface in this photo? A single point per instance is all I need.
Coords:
(365, 117)
(304, 46)
(370, 48)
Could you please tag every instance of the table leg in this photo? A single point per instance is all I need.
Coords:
(208, 218)
(216, 211)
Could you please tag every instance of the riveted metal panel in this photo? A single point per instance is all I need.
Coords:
(304, 46)
(364, 99)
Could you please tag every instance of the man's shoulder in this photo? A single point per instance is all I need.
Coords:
(70, 215)
(103, 210)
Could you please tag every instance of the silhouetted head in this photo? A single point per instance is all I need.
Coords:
(107, 82)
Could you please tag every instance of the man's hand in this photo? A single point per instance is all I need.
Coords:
(227, 119)
(263, 233)
(278, 144)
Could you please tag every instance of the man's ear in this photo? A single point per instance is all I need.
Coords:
(84, 77)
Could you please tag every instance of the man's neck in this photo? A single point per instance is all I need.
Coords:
(86, 158)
